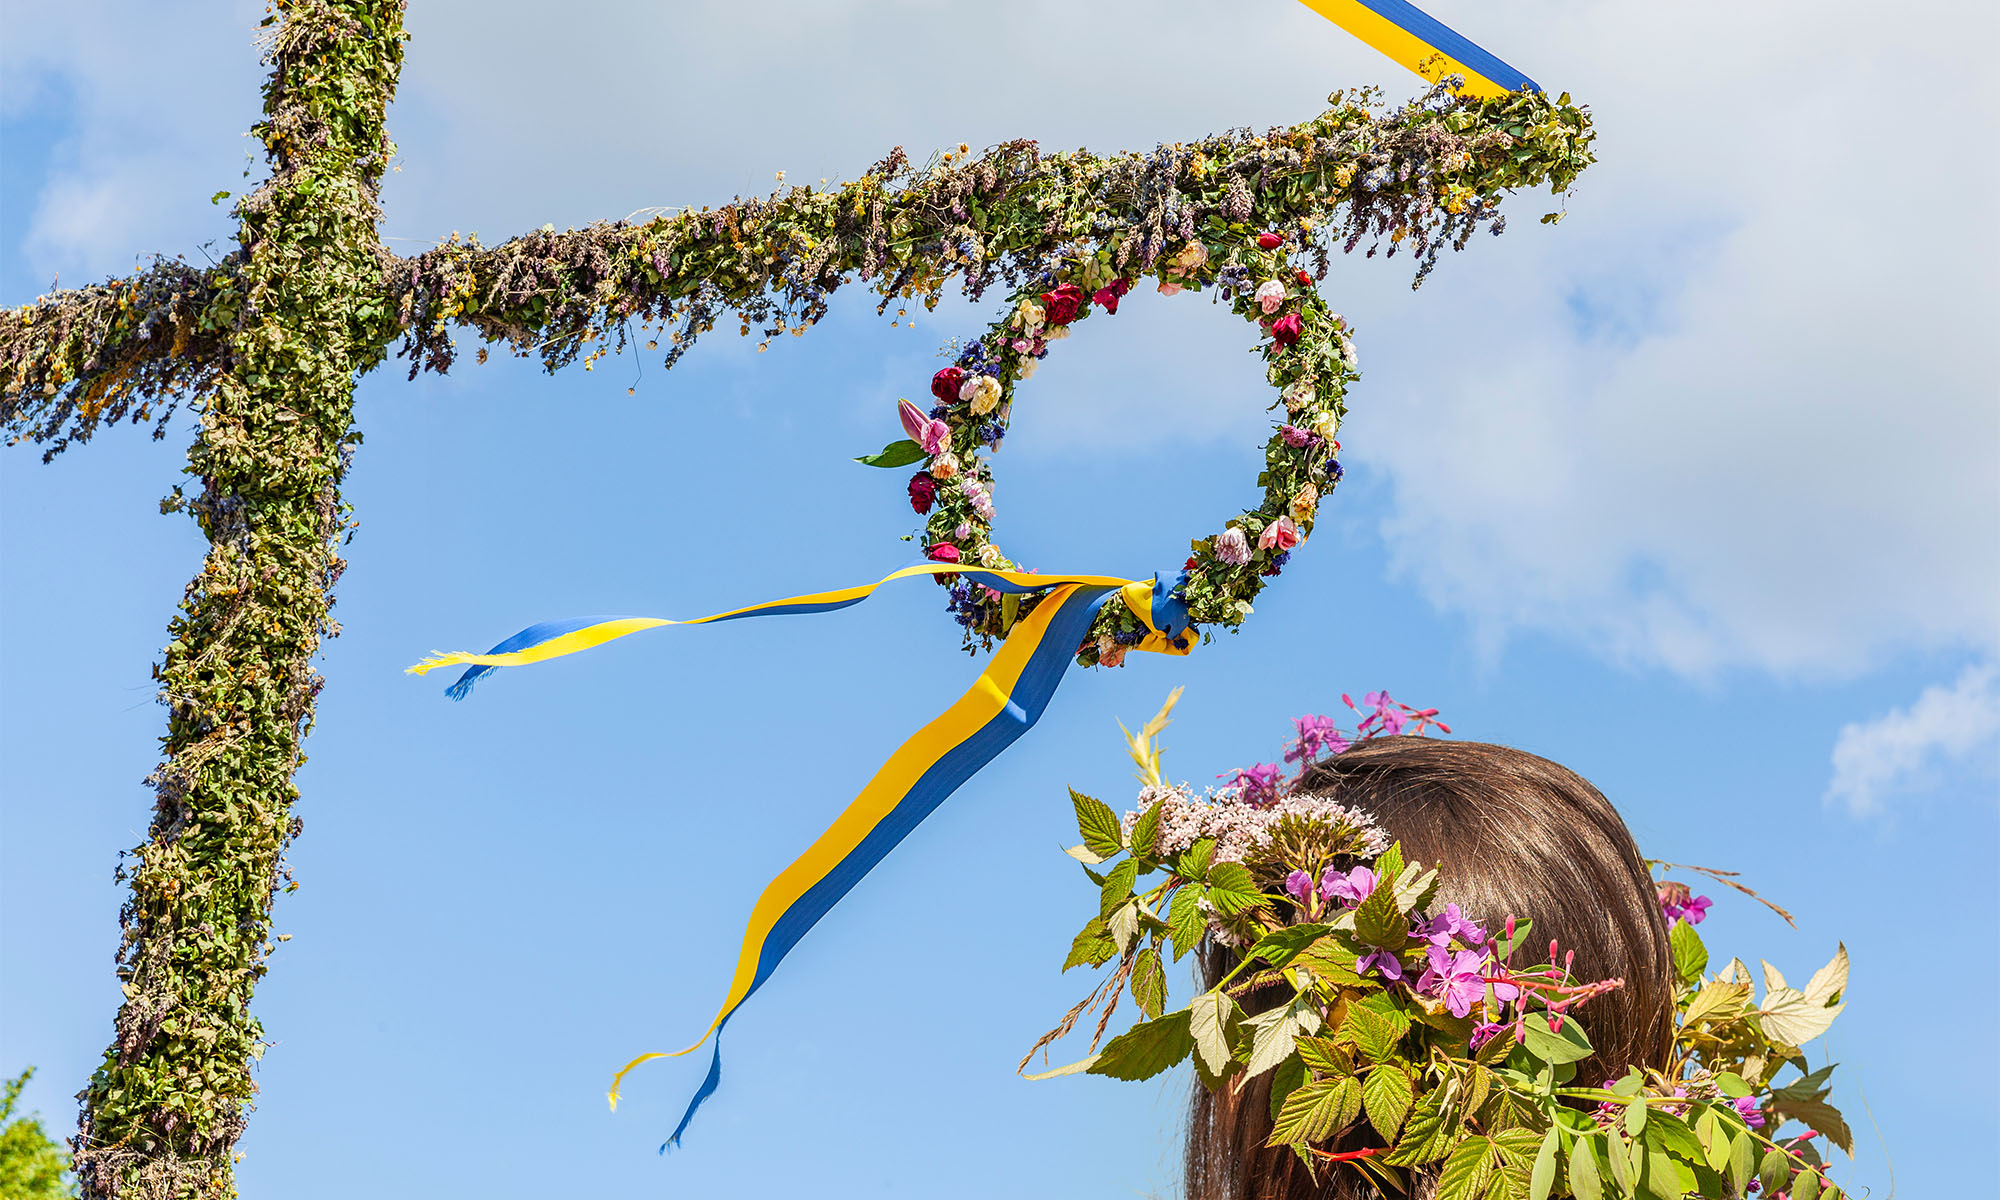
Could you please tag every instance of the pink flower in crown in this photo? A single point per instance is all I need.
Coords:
(944, 552)
(1270, 296)
(1353, 886)
(1281, 534)
(1286, 330)
(1296, 438)
(932, 435)
(1458, 978)
(1169, 288)
(1232, 547)
(1256, 785)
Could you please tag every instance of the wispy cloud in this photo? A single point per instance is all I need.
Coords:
(1874, 760)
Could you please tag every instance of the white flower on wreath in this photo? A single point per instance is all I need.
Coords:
(1270, 296)
(1326, 425)
(982, 392)
(1029, 316)
(1025, 369)
(990, 556)
(944, 466)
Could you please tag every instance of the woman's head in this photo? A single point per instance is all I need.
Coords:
(1512, 835)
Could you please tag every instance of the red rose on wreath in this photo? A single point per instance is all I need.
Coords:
(1060, 306)
(1305, 279)
(1270, 241)
(944, 552)
(1286, 329)
(944, 384)
(1107, 296)
(923, 491)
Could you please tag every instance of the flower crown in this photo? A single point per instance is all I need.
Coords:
(1414, 1022)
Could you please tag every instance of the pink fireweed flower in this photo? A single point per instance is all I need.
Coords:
(1386, 719)
(1256, 785)
(1270, 296)
(933, 436)
(1299, 885)
(1232, 547)
(1483, 1034)
(1382, 961)
(1316, 735)
(1281, 534)
(1455, 976)
(1353, 886)
(1748, 1108)
(1452, 923)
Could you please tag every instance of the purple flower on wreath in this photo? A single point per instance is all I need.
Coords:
(1334, 471)
(1482, 1034)
(1352, 886)
(1299, 885)
(1747, 1108)
(1452, 923)
(1457, 978)
(1259, 783)
(1317, 735)
(991, 433)
(1296, 438)
(1381, 961)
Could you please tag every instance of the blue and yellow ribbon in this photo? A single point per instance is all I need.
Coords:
(1424, 44)
(1002, 704)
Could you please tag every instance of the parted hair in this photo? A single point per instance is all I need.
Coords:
(1511, 835)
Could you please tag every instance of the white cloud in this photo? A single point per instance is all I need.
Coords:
(1733, 413)
(1873, 760)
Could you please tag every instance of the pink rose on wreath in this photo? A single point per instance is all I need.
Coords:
(1169, 288)
(1270, 241)
(1232, 547)
(1107, 296)
(1270, 296)
(923, 492)
(943, 552)
(1286, 329)
(944, 384)
(1062, 305)
(1280, 534)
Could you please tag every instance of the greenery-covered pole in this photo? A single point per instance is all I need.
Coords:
(162, 1115)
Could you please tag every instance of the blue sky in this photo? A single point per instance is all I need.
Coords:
(1692, 493)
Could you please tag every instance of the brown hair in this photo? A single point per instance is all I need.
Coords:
(1512, 835)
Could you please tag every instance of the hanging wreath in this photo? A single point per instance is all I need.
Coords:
(1308, 355)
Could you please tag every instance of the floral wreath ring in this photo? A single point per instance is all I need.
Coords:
(1308, 357)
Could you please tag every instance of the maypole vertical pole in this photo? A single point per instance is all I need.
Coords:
(301, 307)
